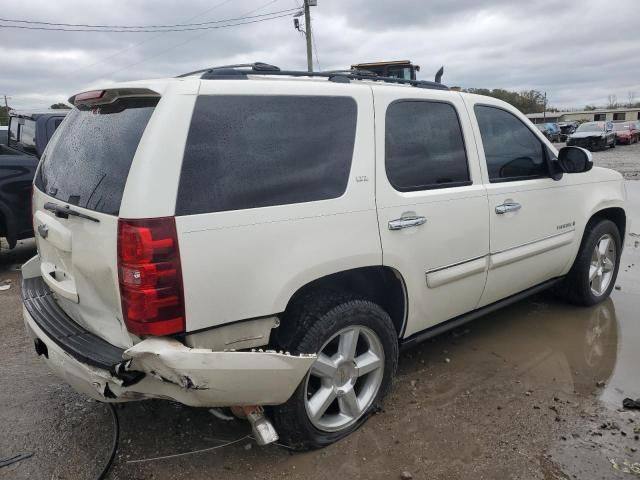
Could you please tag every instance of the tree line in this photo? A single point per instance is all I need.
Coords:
(527, 101)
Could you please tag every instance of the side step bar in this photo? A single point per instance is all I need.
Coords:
(457, 322)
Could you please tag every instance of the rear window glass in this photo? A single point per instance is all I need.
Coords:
(14, 127)
(257, 151)
(28, 135)
(88, 162)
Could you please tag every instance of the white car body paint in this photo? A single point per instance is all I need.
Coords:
(246, 264)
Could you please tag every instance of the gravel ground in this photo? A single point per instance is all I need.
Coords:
(531, 392)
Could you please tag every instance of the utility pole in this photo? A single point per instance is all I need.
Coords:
(544, 109)
(307, 21)
(6, 111)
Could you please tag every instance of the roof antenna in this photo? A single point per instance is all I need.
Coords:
(439, 75)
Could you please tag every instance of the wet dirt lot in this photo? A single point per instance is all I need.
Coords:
(531, 392)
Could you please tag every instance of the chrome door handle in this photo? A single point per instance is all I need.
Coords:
(406, 222)
(508, 207)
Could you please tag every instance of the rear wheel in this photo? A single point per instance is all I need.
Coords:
(613, 143)
(357, 356)
(595, 269)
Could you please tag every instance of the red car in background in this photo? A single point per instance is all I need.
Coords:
(626, 132)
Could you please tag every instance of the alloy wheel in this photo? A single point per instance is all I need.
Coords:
(603, 263)
(345, 378)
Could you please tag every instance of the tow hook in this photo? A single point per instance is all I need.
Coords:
(263, 430)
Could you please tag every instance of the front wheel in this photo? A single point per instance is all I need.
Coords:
(357, 356)
(594, 272)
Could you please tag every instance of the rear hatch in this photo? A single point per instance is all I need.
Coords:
(85, 169)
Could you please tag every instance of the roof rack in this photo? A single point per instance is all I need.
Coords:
(240, 71)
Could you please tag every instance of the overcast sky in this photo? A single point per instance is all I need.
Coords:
(579, 52)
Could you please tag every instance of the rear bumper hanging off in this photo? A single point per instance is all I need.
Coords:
(158, 367)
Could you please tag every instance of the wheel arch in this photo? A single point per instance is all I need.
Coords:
(616, 214)
(381, 284)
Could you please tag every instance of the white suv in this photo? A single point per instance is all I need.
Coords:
(249, 237)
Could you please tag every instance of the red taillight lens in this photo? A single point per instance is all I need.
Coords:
(150, 276)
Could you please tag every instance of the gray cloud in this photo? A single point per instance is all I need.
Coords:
(578, 52)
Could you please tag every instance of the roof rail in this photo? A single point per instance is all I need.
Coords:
(240, 71)
(256, 66)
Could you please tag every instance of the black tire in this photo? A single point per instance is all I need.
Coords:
(613, 144)
(307, 326)
(576, 286)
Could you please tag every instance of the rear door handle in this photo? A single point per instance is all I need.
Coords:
(406, 222)
(508, 207)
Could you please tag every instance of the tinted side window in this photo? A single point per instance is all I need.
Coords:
(258, 151)
(512, 150)
(424, 147)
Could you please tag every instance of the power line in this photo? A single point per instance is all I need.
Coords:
(148, 39)
(198, 35)
(205, 25)
(34, 22)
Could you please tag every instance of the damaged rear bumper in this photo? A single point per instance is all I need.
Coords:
(160, 367)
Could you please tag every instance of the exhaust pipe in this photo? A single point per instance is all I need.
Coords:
(262, 428)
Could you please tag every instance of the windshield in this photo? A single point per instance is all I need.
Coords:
(591, 127)
(618, 127)
(88, 161)
(399, 72)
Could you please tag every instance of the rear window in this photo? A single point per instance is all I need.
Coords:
(28, 135)
(14, 127)
(258, 151)
(89, 159)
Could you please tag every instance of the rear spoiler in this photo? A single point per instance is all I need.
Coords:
(105, 97)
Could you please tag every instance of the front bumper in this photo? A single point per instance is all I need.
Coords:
(590, 143)
(156, 367)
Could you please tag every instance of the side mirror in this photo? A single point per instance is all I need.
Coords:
(575, 160)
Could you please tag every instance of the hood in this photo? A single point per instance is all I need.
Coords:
(623, 133)
(587, 134)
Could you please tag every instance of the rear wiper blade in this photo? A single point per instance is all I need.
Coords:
(64, 212)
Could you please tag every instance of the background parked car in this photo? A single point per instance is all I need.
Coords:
(626, 133)
(566, 129)
(593, 136)
(542, 127)
(29, 134)
(554, 131)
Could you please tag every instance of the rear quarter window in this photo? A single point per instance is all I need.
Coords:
(88, 161)
(257, 151)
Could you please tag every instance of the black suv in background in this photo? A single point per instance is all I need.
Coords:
(28, 136)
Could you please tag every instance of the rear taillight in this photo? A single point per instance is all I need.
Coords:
(150, 276)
